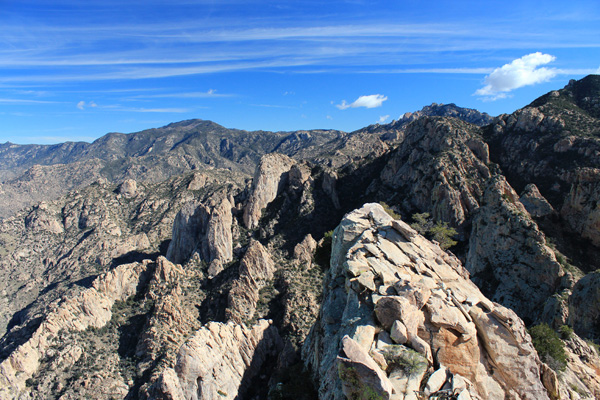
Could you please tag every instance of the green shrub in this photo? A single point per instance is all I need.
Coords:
(566, 332)
(390, 211)
(439, 231)
(549, 346)
(443, 234)
(399, 356)
(421, 223)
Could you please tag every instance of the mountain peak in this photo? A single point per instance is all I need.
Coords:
(583, 93)
(449, 110)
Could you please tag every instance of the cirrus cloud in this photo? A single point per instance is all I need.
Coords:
(521, 72)
(370, 101)
(81, 105)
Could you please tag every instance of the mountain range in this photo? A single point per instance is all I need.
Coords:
(448, 253)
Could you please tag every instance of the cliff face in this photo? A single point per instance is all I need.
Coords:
(269, 179)
(554, 143)
(440, 167)
(508, 256)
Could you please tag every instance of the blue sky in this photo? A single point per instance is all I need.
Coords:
(75, 70)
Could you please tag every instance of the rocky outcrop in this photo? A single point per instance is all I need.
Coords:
(218, 362)
(508, 257)
(448, 110)
(255, 271)
(550, 143)
(580, 209)
(581, 377)
(440, 167)
(530, 119)
(91, 308)
(128, 188)
(43, 219)
(205, 228)
(536, 205)
(584, 306)
(304, 251)
(397, 306)
(171, 320)
(269, 179)
(329, 181)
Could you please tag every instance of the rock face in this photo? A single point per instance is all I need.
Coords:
(218, 362)
(269, 179)
(383, 279)
(256, 270)
(580, 379)
(580, 209)
(554, 144)
(508, 256)
(92, 308)
(203, 228)
(535, 204)
(440, 167)
(584, 305)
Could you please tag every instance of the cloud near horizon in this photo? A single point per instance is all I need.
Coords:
(370, 101)
(521, 72)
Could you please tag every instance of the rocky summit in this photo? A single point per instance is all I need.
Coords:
(446, 255)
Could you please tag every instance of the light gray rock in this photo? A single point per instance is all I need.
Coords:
(217, 361)
(398, 333)
(436, 381)
(361, 377)
(508, 253)
(204, 228)
(535, 203)
(128, 188)
(457, 327)
(269, 180)
(255, 271)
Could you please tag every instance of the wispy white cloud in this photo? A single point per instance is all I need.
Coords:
(158, 110)
(211, 93)
(82, 104)
(370, 101)
(521, 72)
(272, 106)
(9, 101)
(55, 53)
(121, 108)
(382, 119)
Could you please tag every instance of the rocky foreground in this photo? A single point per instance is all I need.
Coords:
(399, 319)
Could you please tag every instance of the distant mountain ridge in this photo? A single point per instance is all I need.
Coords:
(157, 154)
